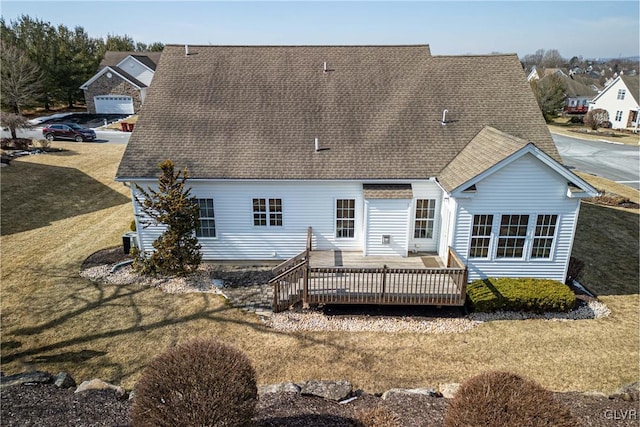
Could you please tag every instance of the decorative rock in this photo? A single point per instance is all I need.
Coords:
(97, 384)
(448, 390)
(64, 380)
(330, 390)
(278, 388)
(424, 391)
(34, 377)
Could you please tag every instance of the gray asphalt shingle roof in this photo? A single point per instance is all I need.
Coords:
(253, 112)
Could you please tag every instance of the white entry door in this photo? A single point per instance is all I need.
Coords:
(387, 227)
(113, 104)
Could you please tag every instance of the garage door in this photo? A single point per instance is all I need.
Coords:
(113, 104)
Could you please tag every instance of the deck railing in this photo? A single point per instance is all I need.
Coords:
(296, 281)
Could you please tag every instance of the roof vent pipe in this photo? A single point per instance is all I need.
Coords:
(317, 144)
(186, 50)
(324, 67)
(444, 117)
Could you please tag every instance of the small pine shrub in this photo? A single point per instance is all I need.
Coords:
(378, 416)
(498, 399)
(199, 383)
(521, 294)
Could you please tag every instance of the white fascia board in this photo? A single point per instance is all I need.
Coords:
(103, 71)
(530, 148)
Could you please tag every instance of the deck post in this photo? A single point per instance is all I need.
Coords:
(305, 282)
(384, 281)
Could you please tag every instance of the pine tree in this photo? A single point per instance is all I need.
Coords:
(177, 251)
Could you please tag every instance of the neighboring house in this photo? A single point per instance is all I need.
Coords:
(120, 86)
(578, 95)
(620, 100)
(383, 150)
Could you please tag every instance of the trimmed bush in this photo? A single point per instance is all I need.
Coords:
(523, 294)
(504, 399)
(199, 383)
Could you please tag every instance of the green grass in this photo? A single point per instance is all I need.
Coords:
(54, 320)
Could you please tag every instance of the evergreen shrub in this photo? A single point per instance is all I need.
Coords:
(519, 294)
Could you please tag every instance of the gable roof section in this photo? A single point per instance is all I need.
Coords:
(113, 58)
(490, 151)
(632, 83)
(253, 112)
(485, 150)
(119, 72)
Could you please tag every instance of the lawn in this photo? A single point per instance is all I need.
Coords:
(59, 208)
(562, 126)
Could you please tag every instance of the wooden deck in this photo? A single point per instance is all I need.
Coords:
(336, 277)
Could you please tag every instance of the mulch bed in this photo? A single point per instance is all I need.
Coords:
(47, 405)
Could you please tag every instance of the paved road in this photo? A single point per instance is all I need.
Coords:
(110, 137)
(619, 163)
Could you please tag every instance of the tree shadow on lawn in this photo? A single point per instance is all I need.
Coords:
(35, 195)
(607, 241)
(118, 306)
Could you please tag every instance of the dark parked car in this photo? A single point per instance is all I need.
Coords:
(68, 131)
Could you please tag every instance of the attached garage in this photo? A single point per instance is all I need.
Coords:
(113, 104)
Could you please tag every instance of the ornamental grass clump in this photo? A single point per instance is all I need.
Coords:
(199, 383)
(521, 294)
(498, 399)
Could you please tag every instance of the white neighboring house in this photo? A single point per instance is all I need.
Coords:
(382, 150)
(120, 86)
(621, 100)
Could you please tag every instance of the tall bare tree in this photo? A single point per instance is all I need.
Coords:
(20, 78)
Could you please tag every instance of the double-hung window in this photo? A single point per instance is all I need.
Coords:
(621, 93)
(618, 116)
(544, 235)
(345, 218)
(481, 236)
(207, 226)
(267, 212)
(425, 214)
(512, 236)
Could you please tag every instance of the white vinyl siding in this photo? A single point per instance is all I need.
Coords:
(305, 204)
(524, 187)
(387, 217)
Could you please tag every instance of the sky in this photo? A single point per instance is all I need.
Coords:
(591, 29)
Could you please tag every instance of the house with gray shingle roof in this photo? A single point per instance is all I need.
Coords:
(621, 99)
(382, 150)
(120, 85)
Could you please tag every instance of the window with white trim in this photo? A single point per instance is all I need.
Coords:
(207, 226)
(621, 93)
(425, 217)
(512, 236)
(267, 212)
(345, 218)
(544, 235)
(481, 236)
(618, 116)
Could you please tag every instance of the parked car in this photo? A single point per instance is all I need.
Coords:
(68, 131)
